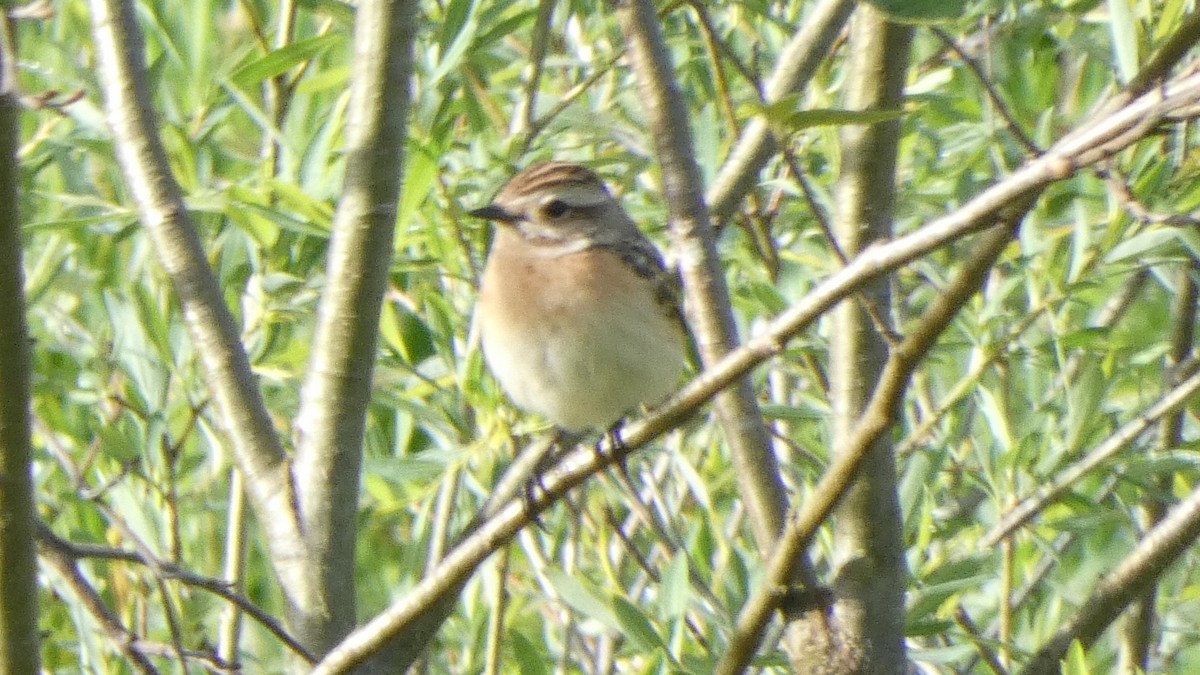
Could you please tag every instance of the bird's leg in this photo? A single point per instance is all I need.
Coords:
(611, 437)
(563, 439)
(546, 459)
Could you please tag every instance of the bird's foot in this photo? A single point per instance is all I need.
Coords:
(612, 439)
(549, 457)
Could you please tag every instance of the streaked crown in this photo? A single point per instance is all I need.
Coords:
(561, 179)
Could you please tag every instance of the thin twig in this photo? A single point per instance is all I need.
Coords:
(1142, 422)
(964, 622)
(123, 639)
(47, 540)
(1010, 122)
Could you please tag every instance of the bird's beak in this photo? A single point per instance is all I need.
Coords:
(493, 212)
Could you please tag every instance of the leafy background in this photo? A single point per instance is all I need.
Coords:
(1032, 375)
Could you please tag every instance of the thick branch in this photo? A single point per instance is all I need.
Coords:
(334, 399)
(868, 532)
(119, 52)
(18, 566)
(709, 308)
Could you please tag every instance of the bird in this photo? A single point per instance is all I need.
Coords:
(578, 319)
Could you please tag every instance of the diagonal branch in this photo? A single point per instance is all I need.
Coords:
(159, 200)
(1160, 64)
(1144, 421)
(1155, 551)
(709, 307)
(877, 419)
(797, 64)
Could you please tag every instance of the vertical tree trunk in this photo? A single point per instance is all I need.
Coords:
(18, 563)
(867, 632)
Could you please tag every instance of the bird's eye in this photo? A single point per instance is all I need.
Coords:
(555, 208)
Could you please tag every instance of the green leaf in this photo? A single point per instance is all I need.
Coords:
(531, 657)
(1124, 34)
(78, 223)
(696, 484)
(337, 9)
(420, 172)
(1090, 337)
(921, 10)
(783, 116)
(404, 470)
(458, 32)
(1167, 17)
(926, 601)
(584, 600)
(1190, 238)
(491, 32)
(406, 333)
(282, 60)
(305, 207)
(243, 212)
(1143, 244)
(673, 592)
(636, 625)
(1075, 662)
(1085, 397)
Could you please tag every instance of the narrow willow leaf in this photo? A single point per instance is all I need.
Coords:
(584, 600)
(1124, 33)
(673, 593)
(921, 10)
(784, 117)
(636, 624)
(282, 60)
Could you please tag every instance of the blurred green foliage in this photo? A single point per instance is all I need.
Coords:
(1025, 382)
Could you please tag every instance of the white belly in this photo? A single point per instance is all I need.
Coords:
(582, 354)
(588, 374)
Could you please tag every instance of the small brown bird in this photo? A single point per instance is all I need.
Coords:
(578, 318)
